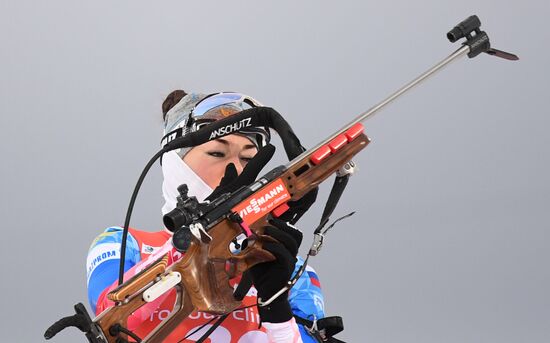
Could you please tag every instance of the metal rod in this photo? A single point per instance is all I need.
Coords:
(370, 112)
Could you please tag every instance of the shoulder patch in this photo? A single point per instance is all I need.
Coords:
(148, 249)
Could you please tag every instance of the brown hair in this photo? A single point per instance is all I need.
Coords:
(171, 100)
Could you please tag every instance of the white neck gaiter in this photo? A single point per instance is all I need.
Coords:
(176, 172)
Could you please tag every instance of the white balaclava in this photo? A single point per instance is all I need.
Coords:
(176, 172)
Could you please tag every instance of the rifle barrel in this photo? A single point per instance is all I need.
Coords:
(370, 112)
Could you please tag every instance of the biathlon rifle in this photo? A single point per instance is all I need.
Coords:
(207, 247)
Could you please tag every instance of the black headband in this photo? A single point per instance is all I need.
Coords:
(249, 118)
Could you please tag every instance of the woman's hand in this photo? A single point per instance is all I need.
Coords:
(232, 181)
(270, 277)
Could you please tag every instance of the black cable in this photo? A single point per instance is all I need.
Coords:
(337, 220)
(197, 330)
(214, 326)
(117, 328)
(129, 213)
(131, 334)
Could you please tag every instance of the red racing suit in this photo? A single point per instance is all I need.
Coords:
(241, 326)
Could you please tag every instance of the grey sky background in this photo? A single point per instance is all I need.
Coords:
(450, 240)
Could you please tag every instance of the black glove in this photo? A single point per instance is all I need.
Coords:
(231, 181)
(299, 207)
(270, 277)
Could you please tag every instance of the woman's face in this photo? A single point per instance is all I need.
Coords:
(209, 160)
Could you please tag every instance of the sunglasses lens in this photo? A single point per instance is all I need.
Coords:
(211, 102)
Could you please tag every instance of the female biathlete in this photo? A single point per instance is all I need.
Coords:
(202, 168)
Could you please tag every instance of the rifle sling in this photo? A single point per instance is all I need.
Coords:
(340, 183)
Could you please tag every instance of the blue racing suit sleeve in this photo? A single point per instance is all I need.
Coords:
(306, 298)
(103, 260)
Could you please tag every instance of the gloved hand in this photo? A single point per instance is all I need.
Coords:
(231, 181)
(270, 277)
(299, 207)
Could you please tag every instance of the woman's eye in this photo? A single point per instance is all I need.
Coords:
(218, 154)
(246, 159)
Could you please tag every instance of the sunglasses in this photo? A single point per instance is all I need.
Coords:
(214, 100)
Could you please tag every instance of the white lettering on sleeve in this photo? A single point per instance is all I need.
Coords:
(99, 254)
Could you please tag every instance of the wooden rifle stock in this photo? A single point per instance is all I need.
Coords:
(206, 268)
